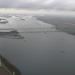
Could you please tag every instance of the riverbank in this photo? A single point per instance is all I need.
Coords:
(7, 68)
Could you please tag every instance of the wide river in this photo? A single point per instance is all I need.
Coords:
(41, 53)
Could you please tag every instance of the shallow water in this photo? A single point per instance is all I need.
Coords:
(40, 52)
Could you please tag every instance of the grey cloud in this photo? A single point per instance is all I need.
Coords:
(6, 3)
(39, 4)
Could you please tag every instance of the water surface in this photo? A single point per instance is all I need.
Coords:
(41, 53)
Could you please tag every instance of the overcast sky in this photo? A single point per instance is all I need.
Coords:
(39, 4)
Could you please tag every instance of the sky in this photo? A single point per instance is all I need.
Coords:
(41, 6)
